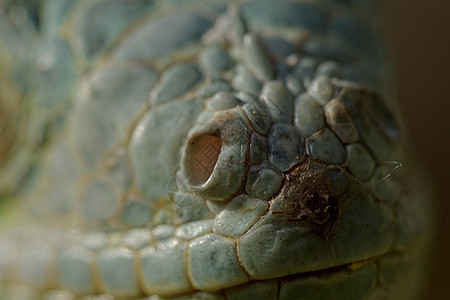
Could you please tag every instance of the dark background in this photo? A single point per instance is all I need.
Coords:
(419, 35)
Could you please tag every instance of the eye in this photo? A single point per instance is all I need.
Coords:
(213, 161)
(203, 153)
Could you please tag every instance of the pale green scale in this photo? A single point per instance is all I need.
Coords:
(106, 115)
(325, 146)
(215, 59)
(136, 212)
(53, 60)
(259, 115)
(163, 231)
(256, 58)
(193, 229)
(263, 182)
(136, 238)
(204, 150)
(239, 215)
(360, 163)
(99, 201)
(188, 26)
(123, 283)
(213, 263)
(308, 115)
(321, 88)
(279, 101)
(164, 268)
(175, 82)
(221, 101)
(214, 86)
(258, 148)
(75, 270)
(244, 81)
(275, 248)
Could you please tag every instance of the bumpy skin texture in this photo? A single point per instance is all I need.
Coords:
(203, 150)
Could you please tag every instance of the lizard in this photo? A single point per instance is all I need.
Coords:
(204, 150)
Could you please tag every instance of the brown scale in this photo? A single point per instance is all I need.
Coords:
(306, 196)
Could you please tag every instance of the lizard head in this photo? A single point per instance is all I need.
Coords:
(291, 192)
(189, 150)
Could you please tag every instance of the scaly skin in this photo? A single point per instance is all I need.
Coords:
(203, 150)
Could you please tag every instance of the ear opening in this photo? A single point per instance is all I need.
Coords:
(213, 158)
(202, 154)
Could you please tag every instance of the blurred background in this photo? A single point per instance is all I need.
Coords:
(419, 35)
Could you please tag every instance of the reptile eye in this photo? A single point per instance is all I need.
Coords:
(202, 157)
(213, 161)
